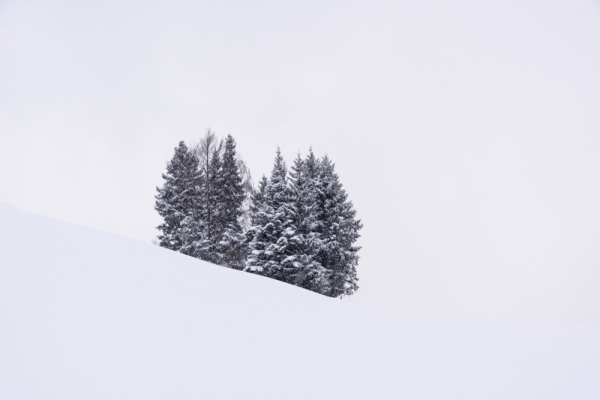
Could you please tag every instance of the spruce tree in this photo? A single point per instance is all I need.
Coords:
(307, 272)
(175, 201)
(270, 253)
(209, 197)
(258, 195)
(311, 168)
(256, 202)
(230, 195)
(338, 229)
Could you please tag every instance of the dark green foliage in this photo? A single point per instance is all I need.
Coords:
(231, 248)
(269, 250)
(338, 229)
(307, 272)
(202, 203)
(304, 228)
(175, 201)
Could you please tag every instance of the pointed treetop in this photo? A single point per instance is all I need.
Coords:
(298, 167)
(279, 173)
(230, 144)
(312, 164)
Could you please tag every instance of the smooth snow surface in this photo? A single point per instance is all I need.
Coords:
(90, 315)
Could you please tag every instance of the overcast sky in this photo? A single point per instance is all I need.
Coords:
(467, 133)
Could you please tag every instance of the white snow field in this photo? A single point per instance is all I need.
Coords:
(91, 315)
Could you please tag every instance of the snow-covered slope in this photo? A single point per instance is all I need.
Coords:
(90, 315)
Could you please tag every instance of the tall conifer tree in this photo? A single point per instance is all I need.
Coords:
(338, 228)
(175, 201)
(231, 196)
(269, 250)
(256, 202)
(307, 272)
(211, 197)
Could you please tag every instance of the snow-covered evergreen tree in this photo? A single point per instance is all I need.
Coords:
(231, 248)
(311, 167)
(256, 202)
(175, 201)
(338, 228)
(307, 272)
(258, 195)
(270, 253)
(209, 198)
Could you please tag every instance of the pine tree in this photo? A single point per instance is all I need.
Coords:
(256, 202)
(311, 167)
(213, 191)
(258, 195)
(338, 228)
(231, 248)
(307, 272)
(175, 201)
(270, 253)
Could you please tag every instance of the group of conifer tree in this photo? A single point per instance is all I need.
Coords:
(297, 227)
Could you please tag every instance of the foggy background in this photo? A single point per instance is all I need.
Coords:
(467, 134)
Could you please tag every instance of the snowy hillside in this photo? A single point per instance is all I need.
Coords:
(90, 315)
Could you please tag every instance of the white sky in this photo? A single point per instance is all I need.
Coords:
(467, 133)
